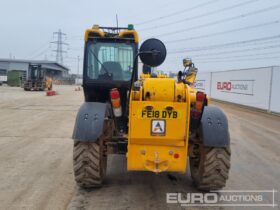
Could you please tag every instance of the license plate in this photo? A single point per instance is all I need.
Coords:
(159, 114)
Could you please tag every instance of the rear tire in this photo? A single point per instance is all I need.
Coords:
(90, 162)
(90, 159)
(209, 166)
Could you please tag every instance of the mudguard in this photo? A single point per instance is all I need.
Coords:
(89, 121)
(214, 127)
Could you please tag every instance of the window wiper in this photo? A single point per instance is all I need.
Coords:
(100, 62)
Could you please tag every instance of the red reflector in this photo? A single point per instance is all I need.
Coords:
(114, 93)
(176, 155)
(200, 96)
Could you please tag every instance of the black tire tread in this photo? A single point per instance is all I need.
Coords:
(87, 164)
(213, 169)
(90, 160)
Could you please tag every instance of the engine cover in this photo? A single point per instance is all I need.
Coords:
(159, 89)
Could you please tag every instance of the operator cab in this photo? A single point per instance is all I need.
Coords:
(108, 62)
(36, 72)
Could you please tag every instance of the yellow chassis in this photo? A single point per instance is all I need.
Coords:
(166, 149)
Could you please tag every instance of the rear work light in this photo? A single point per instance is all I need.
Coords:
(130, 27)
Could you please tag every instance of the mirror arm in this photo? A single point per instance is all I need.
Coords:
(132, 80)
(133, 73)
(153, 52)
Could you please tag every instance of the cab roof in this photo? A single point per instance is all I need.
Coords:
(112, 32)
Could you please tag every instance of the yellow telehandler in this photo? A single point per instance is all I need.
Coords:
(159, 123)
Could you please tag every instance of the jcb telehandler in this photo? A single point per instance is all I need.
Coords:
(157, 122)
(37, 79)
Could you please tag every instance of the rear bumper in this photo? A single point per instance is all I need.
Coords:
(156, 158)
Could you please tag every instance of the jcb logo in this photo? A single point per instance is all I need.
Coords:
(224, 85)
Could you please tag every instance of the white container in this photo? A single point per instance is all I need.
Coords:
(3, 78)
(249, 87)
(203, 82)
(275, 91)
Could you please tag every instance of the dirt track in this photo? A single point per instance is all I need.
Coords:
(36, 158)
(36, 148)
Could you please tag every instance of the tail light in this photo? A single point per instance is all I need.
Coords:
(200, 96)
(196, 112)
(198, 105)
(116, 102)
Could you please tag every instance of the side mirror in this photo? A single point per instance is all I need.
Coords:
(152, 52)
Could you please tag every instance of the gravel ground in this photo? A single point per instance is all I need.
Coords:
(36, 158)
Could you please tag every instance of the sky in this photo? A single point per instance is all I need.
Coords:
(215, 34)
